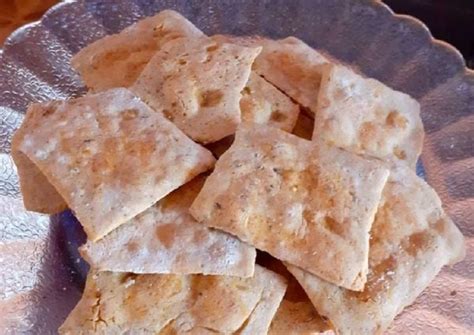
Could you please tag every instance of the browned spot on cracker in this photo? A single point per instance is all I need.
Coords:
(212, 48)
(440, 226)
(378, 280)
(367, 132)
(246, 91)
(49, 110)
(210, 98)
(166, 234)
(339, 94)
(332, 225)
(416, 242)
(399, 153)
(278, 116)
(129, 114)
(395, 119)
(132, 247)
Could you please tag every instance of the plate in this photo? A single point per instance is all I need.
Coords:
(41, 275)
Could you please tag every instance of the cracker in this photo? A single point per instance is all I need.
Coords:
(166, 239)
(197, 85)
(366, 117)
(117, 60)
(412, 239)
(262, 103)
(37, 192)
(110, 156)
(122, 303)
(308, 204)
(289, 64)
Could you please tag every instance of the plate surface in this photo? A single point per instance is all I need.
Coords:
(40, 273)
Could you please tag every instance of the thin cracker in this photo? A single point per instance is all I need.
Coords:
(166, 239)
(117, 60)
(412, 239)
(122, 303)
(197, 85)
(304, 203)
(364, 116)
(110, 156)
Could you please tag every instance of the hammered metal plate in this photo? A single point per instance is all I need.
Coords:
(41, 275)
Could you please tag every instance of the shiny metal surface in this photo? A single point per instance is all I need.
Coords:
(40, 279)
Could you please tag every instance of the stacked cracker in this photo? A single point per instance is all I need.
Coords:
(343, 220)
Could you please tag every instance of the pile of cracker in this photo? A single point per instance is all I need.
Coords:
(235, 185)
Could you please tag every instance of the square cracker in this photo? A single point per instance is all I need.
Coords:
(262, 103)
(110, 156)
(175, 304)
(117, 60)
(166, 239)
(289, 64)
(197, 85)
(366, 117)
(412, 238)
(308, 204)
(37, 192)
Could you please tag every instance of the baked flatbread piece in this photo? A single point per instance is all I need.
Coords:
(366, 117)
(110, 156)
(196, 83)
(308, 204)
(166, 239)
(262, 103)
(412, 239)
(37, 192)
(175, 304)
(117, 60)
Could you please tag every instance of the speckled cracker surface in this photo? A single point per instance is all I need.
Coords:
(196, 83)
(110, 156)
(37, 192)
(174, 304)
(366, 117)
(262, 103)
(308, 204)
(412, 238)
(166, 239)
(117, 60)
